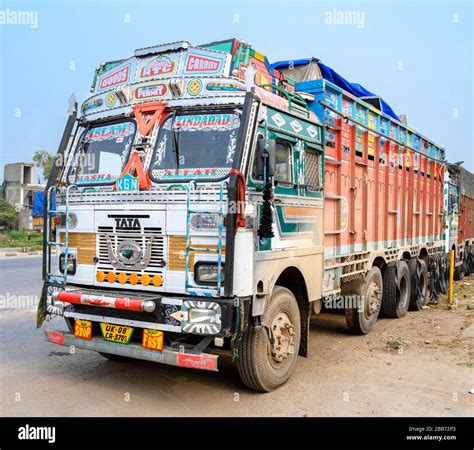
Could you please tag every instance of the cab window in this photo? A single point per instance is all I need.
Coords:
(283, 162)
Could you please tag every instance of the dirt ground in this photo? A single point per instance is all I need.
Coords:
(420, 365)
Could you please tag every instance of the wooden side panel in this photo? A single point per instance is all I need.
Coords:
(177, 253)
(85, 244)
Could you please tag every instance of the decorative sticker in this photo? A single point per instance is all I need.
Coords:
(111, 100)
(346, 107)
(109, 132)
(296, 126)
(127, 183)
(371, 144)
(231, 147)
(223, 86)
(160, 66)
(205, 122)
(371, 120)
(95, 178)
(313, 132)
(210, 172)
(278, 120)
(114, 77)
(203, 62)
(194, 87)
(272, 99)
(92, 104)
(150, 91)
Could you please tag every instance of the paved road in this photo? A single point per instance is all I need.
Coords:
(20, 275)
(344, 375)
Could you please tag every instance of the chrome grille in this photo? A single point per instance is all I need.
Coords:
(141, 237)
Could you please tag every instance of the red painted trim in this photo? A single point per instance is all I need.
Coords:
(54, 336)
(206, 362)
(70, 297)
(240, 198)
(128, 304)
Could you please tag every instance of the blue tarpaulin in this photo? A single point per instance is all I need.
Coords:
(38, 204)
(331, 75)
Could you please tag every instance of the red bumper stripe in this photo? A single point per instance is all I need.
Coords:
(106, 302)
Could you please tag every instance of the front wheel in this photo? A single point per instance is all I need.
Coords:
(268, 351)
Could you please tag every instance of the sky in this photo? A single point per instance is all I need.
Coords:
(417, 55)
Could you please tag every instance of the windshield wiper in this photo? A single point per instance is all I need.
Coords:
(175, 140)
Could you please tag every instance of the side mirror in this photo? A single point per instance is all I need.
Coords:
(266, 153)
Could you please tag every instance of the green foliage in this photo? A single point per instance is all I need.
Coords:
(8, 215)
(44, 160)
(15, 235)
(30, 239)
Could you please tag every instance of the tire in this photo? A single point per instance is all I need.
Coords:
(419, 283)
(395, 300)
(361, 320)
(115, 358)
(262, 367)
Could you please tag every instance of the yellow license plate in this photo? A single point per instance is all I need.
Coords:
(153, 339)
(83, 329)
(116, 333)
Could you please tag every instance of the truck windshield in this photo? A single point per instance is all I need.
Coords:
(102, 153)
(194, 142)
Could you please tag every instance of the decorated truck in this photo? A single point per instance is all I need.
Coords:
(459, 204)
(205, 203)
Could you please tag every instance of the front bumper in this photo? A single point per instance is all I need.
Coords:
(169, 355)
(169, 314)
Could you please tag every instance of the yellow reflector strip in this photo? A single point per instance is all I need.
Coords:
(122, 278)
(157, 280)
(145, 279)
(111, 277)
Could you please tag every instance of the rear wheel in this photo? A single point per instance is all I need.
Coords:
(361, 318)
(419, 283)
(396, 290)
(268, 352)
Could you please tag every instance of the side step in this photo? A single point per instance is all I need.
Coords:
(169, 355)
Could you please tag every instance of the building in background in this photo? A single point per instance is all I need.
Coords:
(18, 189)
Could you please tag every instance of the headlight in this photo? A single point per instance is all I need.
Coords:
(201, 317)
(71, 263)
(204, 221)
(72, 220)
(206, 273)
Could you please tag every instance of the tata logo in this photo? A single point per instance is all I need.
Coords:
(127, 183)
(127, 222)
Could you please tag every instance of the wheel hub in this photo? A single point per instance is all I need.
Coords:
(283, 337)
(372, 299)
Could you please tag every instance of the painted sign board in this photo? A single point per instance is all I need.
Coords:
(127, 183)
